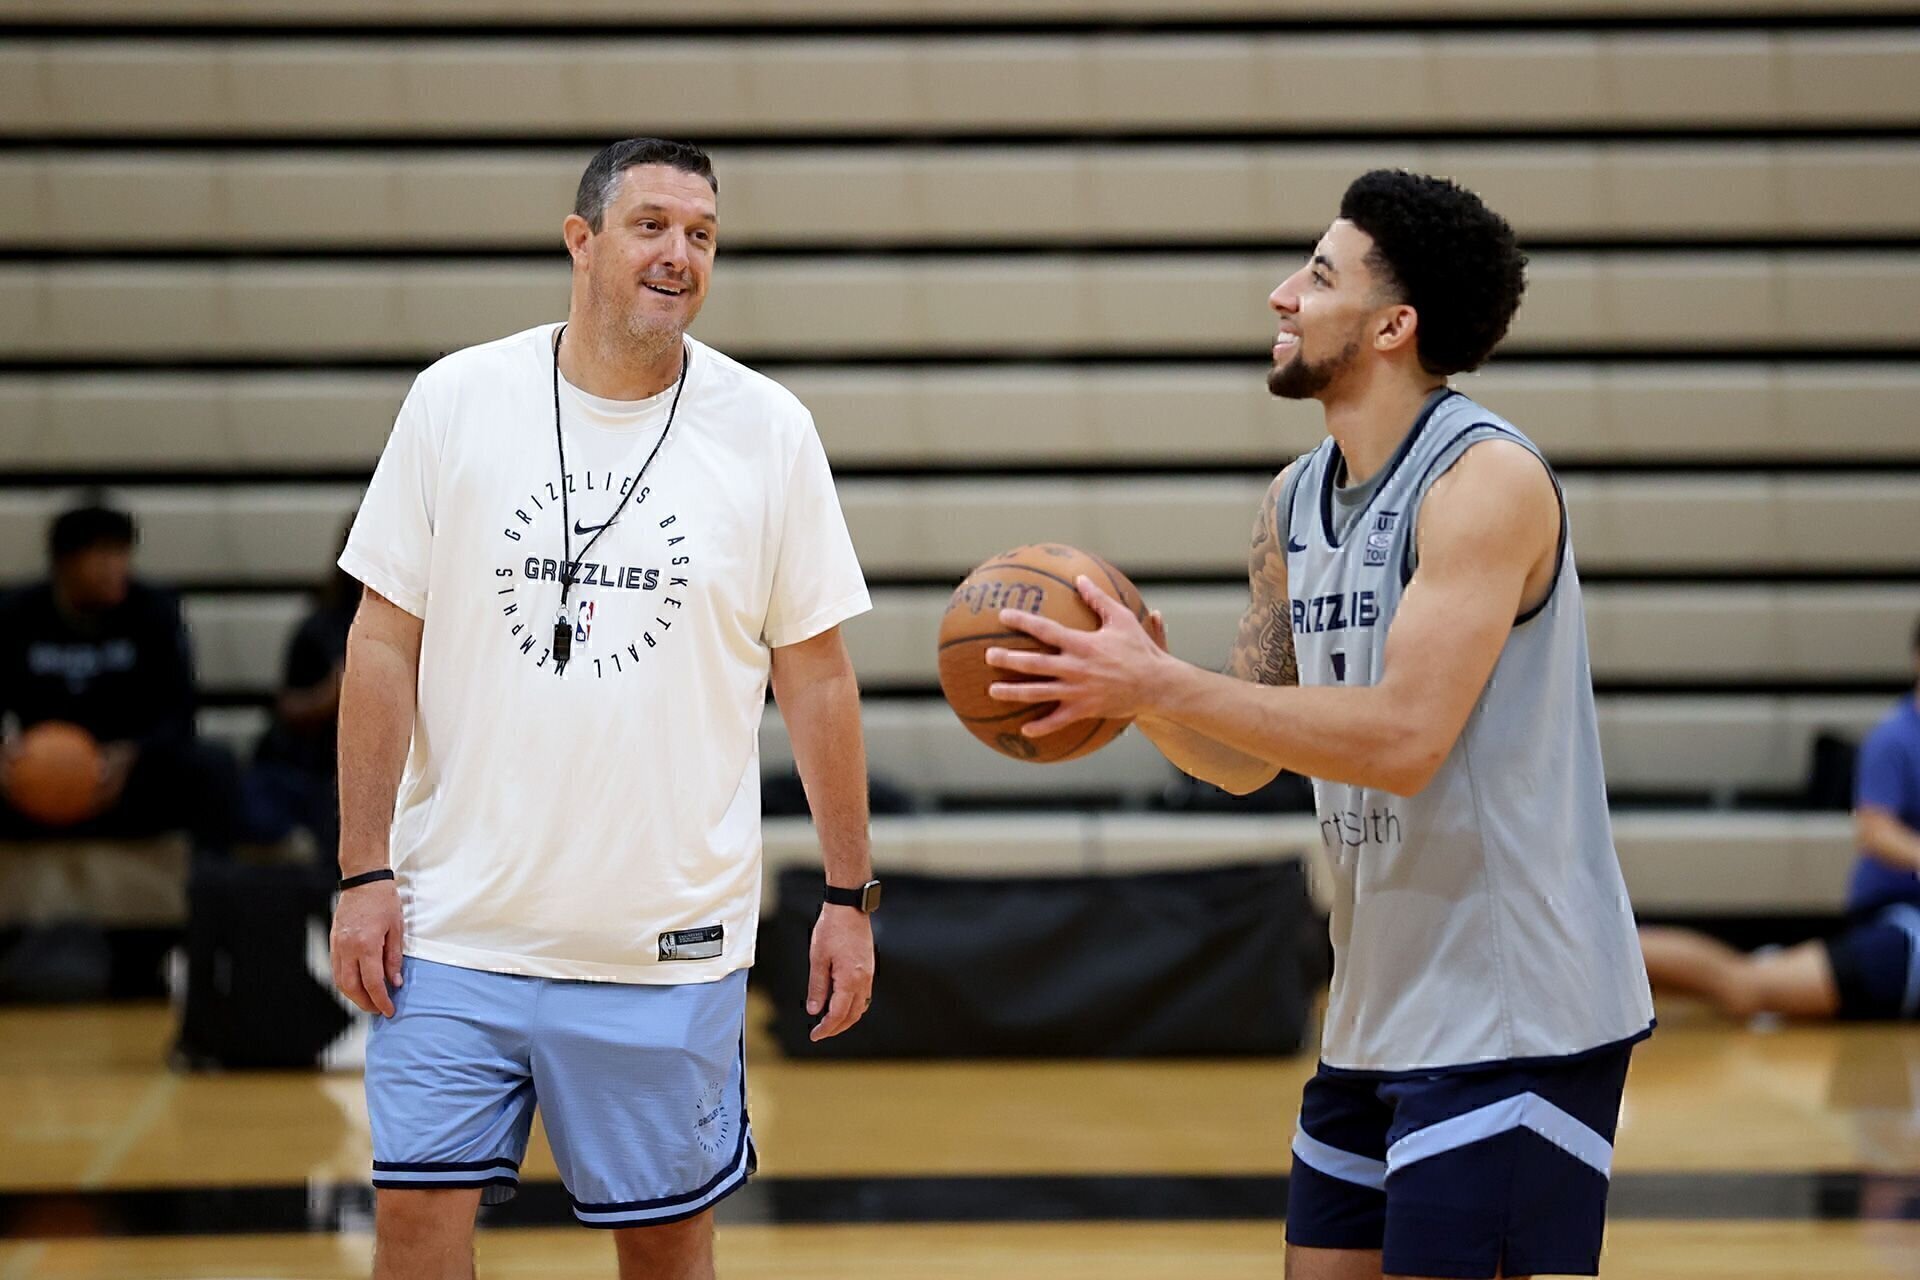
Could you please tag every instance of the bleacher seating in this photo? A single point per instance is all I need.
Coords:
(907, 417)
(1015, 256)
(1252, 191)
(859, 84)
(1139, 305)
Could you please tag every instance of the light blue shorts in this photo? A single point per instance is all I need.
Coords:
(643, 1089)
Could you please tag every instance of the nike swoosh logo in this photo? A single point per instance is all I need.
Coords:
(582, 530)
(1295, 546)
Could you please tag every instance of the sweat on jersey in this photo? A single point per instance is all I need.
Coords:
(601, 823)
(1482, 920)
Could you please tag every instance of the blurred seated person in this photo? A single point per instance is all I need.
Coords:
(1872, 968)
(96, 647)
(293, 782)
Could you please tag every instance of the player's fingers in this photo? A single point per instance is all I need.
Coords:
(1043, 629)
(1059, 718)
(1099, 601)
(346, 976)
(1029, 660)
(836, 1020)
(374, 983)
(1024, 690)
(859, 998)
(1157, 627)
(396, 959)
(816, 984)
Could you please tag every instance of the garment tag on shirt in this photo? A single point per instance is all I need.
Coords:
(693, 944)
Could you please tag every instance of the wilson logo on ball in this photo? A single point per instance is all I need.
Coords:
(1034, 579)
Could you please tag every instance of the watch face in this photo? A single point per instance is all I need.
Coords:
(870, 897)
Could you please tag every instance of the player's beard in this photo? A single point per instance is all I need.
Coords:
(1301, 379)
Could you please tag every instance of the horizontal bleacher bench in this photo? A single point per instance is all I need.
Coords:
(1725, 635)
(1653, 744)
(186, 15)
(1174, 527)
(1675, 864)
(1077, 194)
(879, 85)
(114, 883)
(901, 416)
(1212, 304)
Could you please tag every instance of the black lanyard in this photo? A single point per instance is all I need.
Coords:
(562, 627)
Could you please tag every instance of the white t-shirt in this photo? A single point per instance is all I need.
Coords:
(603, 823)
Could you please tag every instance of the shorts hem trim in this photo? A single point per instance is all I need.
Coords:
(669, 1209)
(445, 1175)
(1308, 1239)
(445, 1184)
(1546, 1266)
(446, 1166)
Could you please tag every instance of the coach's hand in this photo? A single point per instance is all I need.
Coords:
(367, 932)
(839, 969)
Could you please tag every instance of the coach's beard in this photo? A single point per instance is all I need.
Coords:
(1298, 379)
(646, 341)
(639, 339)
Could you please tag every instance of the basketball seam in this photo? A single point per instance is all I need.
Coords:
(987, 635)
(1098, 725)
(1032, 706)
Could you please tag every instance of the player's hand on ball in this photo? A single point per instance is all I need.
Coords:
(1104, 674)
(1156, 627)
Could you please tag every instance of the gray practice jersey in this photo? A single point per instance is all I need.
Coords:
(1484, 919)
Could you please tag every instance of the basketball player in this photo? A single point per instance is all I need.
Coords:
(1871, 969)
(586, 550)
(1415, 644)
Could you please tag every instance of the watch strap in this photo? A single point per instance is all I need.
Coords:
(864, 899)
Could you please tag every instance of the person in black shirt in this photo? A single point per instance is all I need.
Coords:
(96, 647)
(292, 783)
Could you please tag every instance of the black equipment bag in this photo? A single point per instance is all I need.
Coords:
(258, 987)
(1207, 962)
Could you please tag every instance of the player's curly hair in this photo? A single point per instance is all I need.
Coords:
(1445, 254)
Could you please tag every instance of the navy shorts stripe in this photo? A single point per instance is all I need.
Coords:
(1464, 1175)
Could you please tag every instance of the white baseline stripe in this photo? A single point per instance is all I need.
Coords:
(1522, 1111)
(1335, 1163)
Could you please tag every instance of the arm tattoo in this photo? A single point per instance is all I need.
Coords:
(1263, 650)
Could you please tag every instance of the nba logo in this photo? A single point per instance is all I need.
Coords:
(584, 623)
(1380, 537)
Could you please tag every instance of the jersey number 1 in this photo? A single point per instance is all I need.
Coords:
(1340, 665)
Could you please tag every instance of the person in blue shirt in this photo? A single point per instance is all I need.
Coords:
(1872, 968)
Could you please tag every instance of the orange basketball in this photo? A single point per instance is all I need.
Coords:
(1038, 579)
(54, 773)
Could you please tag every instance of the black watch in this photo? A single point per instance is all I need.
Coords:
(866, 897)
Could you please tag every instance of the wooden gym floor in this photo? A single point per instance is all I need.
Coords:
(1744, 1152)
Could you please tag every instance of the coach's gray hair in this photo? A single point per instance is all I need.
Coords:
(601, 181)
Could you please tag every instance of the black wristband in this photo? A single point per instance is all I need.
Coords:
(367, 877)
(865, 899)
